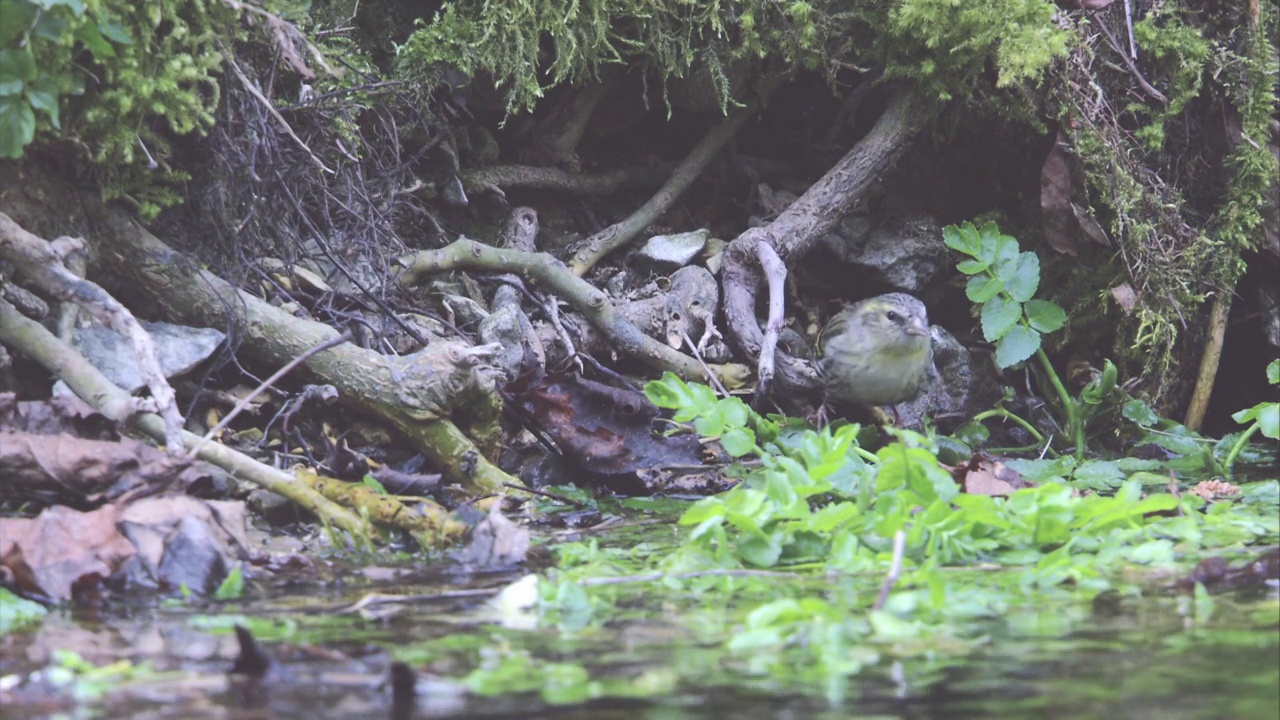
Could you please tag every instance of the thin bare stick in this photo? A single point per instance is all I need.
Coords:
(895, 569)
(271, 109)
(262, 387)
(1133, 69)
(697, 355)
(594, 248)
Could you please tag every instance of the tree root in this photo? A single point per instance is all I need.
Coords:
(594, 248)
(800, 225)
(467, 254)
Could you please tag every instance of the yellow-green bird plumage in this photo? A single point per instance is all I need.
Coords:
(878, 351)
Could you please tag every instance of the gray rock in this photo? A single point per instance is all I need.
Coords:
(666, 253)
(906, 254)
(179, 348)
(965, 383)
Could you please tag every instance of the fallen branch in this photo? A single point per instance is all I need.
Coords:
(414, 392)
(32, 340)
(41, 262)
(499, 178)
(467, 254)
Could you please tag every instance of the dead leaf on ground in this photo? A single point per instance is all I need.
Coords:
(173, 539)
(1063, 206)
(62, 549)
(603, 429)
(985, 475)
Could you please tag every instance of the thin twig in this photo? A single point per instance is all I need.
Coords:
(271, 109)
(895, 569)
(697, 355)
(244, 402)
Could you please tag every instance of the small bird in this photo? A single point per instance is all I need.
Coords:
(877, 352)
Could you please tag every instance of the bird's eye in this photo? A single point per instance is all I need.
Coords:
(893, 316)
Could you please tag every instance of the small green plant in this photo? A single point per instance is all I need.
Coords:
(1264, 417)
(1004, 280)
(39, 41)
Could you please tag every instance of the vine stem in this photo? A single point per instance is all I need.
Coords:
(1239, 445)
(1074, 425)
(1007, 415)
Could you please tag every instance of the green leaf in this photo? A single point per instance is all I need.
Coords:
(962, 238)
(232, 586)
(738, 442)
(17, 68)
(1098, 475)
(1100, 387)
(1140, 412)
(89, 34)
(982, 288)
(1003, 254)
(15, 19)
(1269, 420)
(1045, 316)
(1019, 344)
(76, 6)
(1273, 372)
(972, 267)
(17, 126)
(43, 95)
(1024, 277)
(115, 32)
(999, 314)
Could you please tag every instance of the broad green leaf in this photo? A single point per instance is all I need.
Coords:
(738, 442)
(15, 18)
(1273, 372)
(999, 314)
(1269, 420)
(1019, 344)
(1248, 415)
(89, 34)
(1140, 412)
(43, 95)
(982, 288)
(1098, 475)
(971, 267)
(17, 126)
(1025, 278)
(115, 32)
(1045, 316)
(962, 238)
(17, 68)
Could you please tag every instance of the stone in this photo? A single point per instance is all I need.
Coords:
(667, 253)
(178, 347)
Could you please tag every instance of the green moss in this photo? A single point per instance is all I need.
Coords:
(530, 47)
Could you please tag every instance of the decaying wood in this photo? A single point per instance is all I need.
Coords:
(415, 392)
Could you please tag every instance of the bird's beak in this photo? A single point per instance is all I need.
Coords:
(918, 328)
